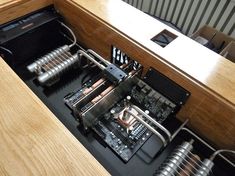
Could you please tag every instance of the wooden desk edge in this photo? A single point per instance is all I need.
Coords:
(39, 130)
(12, 9)
(212, 82)
(204, 105)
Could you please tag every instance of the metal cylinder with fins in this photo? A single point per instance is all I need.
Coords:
(205, 168)
(59, 69)
(173, 162)
(46, 58)
(51, 66)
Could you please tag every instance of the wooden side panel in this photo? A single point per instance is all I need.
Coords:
(33, 141)
(205, 66)
(210, 115)
(10, 10)
(6, 4)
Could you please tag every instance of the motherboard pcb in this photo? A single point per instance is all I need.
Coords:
(120, 130)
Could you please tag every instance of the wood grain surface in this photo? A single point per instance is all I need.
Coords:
(204, 66)
(32, 140)
(6, 4)
(208, 76)
(12, 9)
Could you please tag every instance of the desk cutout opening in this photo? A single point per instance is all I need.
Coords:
(164, 38)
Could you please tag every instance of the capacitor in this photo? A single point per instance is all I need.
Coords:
(112, 111)
(146, 111)
(127, 101)
(128, 97)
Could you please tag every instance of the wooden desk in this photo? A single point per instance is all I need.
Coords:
(208, 76)
(32, 140)
(12, 9)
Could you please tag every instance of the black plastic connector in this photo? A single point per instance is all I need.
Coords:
(114, 74)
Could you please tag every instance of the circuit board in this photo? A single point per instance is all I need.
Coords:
(124, 135)
(121, 131)
(158, 105)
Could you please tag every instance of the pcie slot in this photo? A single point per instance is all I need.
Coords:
(90, 93)
(95, 88)
(93, 99)
(107, 100)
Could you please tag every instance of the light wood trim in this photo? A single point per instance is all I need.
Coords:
(33, 141)
(196, 61)
(99, 24)
(12, 9)
(6, 4)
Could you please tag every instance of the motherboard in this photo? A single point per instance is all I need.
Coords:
(118, 125)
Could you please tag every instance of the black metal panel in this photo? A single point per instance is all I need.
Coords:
(26, 37)
(166, 87)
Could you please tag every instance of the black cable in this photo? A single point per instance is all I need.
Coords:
(159, 41)
(165, 37)
(6, 50)
(84, 78)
